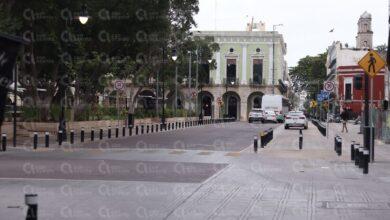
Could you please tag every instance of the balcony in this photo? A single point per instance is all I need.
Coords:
(231, 81)
(256, 82)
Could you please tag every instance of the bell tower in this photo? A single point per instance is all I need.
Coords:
(364, 36)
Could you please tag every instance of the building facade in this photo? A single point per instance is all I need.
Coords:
(249, 65)
(348, 76)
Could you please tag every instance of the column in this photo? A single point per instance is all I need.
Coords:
(218, 73)
(244, 62)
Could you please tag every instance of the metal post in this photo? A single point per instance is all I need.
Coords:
(366, 133)
(31, 200)
(60, 138)
(163, 89)
(35, 140)
(15, 103)
(131, 131)
(189, 83)
(4, 142)
(300, 139)
(196, 82)
(147, 129)
(124, 131)
(175, 103)
(46, 139)
(361, 157)
(142, 129)
(71, 136)
(82, 135)
(255, 143)
(101, 134)
(372, 139)
(366, 156)
(356, 153)
(92, 134)
(353, 150)
(116, 132)
(109, 132)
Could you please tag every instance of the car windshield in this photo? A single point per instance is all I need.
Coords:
(295, 113)
(257, 111)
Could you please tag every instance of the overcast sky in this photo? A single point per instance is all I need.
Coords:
(306, 22)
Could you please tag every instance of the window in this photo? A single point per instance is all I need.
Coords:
(258, 50)
(348, 91)
(231, 71)
(204, 76)
(257, 71)
(231, 50)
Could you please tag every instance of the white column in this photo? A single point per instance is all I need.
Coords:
(218, 73)
(244, 61)
(270, 63)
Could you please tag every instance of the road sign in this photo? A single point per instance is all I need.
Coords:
(119, 85)
(329, 86)
(372, 63)
(319, 98)
(325, 95)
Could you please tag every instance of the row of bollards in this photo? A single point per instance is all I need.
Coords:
(139, 129)
(361, 156)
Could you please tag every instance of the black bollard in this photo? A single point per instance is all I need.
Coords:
(366, 156)
(255, 143)
(47, 139)
(339, 147)
(300, 139)
(131, 131)
(136, 130)
(352, 150)
(361, 158)
(71, 136)
(92, 134)
(60, 137)
(101, 133)
(109, 132)
(35, 140)
(124, 131)
(116, 132)
(82, 135)
(152, 128)
(356, 154)
(161, 127)
(169, 126)
(31, 200)
(4, 142)
(142, 129)
(147, 129)
(176, 125)
(156, 128)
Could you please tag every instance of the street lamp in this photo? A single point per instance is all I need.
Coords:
(174, 58)
(83, 18)
(273, 56)
(64, 82)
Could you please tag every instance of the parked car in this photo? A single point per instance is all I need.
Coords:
(256, 114)
(280, 118)
(270, 116)
(295, 119)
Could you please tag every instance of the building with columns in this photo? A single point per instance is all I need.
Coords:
(249, 65)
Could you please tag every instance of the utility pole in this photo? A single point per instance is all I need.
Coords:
(196, 82)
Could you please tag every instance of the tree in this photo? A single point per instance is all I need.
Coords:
(309, 74)
(122, 37)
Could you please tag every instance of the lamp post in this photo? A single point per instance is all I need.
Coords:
(174, 58)
(163, 89)
(189, 81)
(63, 83)
(273, 56)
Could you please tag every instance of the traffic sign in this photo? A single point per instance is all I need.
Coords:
(119, 85)
(329, 86)
(372, 63)
(325, 95)
(319, 98)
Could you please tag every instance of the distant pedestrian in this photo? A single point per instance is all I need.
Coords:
(344, 118)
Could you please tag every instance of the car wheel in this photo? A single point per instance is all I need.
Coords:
(286, 127)
(305, 127)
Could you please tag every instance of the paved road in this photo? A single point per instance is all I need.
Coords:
(280, 182)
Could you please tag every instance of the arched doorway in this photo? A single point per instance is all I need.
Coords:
(232, 105)
(254, 101)
(146, 100)
(206, 99)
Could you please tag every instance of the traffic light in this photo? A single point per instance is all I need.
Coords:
(358, 82)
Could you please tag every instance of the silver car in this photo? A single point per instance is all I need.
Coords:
(256, 115)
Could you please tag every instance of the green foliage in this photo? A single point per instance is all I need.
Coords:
(309, 74)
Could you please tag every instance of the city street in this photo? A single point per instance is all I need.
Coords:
(204, 177)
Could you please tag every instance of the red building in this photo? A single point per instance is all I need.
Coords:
(350, 91)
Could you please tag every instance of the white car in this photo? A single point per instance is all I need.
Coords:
(295, 119)
(256, 115)
(270, 116)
